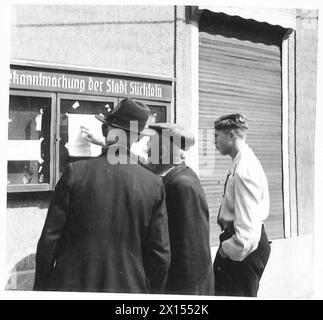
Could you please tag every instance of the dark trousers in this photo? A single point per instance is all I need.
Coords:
(241, 278)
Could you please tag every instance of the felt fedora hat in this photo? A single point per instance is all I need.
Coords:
(126, 115)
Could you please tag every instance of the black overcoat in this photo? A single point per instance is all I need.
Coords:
(190, 270)
(106, 230)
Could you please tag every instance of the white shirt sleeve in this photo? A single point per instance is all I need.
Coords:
(248, 217)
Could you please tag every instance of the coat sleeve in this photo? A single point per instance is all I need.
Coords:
(52, 231)
(157, 247)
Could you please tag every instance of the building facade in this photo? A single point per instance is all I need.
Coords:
(190, 65)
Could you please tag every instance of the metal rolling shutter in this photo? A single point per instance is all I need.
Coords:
(241, 76)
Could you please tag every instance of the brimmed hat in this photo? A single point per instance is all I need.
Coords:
(231, 121)
(181, 136)
(127, 110)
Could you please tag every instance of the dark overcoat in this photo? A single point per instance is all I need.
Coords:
(106, 230)
(190, 270)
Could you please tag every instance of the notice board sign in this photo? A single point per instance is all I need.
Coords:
(91, 84)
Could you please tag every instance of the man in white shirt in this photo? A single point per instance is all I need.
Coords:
(244, 248)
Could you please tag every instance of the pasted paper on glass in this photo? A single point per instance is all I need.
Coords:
(77, 145)
(24, 150)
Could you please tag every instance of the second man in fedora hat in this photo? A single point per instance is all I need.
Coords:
(190, 269)
(106, 228)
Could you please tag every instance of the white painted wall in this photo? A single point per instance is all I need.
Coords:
(130, 38)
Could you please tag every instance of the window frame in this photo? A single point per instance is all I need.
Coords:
(157, 104)
(43, 186)
(290, 216)
(56, 97)
(72, 96)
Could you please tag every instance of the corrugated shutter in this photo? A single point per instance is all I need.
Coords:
(241, 76)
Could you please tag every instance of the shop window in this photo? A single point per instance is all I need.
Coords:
(28, 151)
(157, 113)
(75, 113)
(44, 134)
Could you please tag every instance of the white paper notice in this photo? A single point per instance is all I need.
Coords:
(77, 145)
(24, 150)
(140, 149)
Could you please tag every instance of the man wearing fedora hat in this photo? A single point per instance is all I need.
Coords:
(106, 229)
(190, 270)
(137, 148)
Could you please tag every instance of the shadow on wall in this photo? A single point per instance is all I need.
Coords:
(23, 274)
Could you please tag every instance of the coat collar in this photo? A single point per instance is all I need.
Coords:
(174, 171)
(123, 154)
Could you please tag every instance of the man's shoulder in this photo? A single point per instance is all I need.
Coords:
(80, 164)
(184, 178)
(123, 172)
(146, 174)
(249, 166)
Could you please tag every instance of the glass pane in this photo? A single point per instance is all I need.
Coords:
(157, 114)
(28, 151)
(74, 114)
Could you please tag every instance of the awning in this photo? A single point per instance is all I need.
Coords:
(285, 18)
